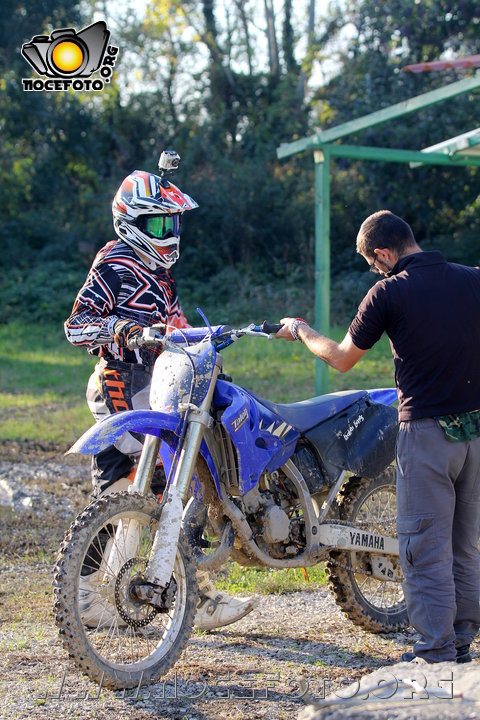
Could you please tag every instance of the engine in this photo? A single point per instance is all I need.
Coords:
(273, 512)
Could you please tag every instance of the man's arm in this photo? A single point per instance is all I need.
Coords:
(341, 356)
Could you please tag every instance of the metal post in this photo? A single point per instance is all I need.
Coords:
(322, 259)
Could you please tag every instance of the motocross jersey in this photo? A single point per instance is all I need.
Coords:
(120, 286)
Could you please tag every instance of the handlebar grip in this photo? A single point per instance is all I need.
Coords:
(135, 342)
(270, 328)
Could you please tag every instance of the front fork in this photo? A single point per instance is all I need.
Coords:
(164, 548)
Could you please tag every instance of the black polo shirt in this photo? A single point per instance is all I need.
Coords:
(430, 310)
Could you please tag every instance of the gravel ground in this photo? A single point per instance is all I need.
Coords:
(405, 691)
(282, 660)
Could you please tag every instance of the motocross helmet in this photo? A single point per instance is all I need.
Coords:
(147, 211)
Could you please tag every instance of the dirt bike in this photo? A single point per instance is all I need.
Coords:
(261, 483)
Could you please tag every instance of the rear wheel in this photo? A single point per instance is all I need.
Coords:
(368, 587)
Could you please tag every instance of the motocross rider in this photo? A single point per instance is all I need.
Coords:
(130, 287)
(429, 308)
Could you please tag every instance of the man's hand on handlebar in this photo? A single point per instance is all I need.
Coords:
(289, 330)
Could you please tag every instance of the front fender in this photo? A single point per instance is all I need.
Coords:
(109, 430)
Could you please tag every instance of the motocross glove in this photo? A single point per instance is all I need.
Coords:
(124, 331)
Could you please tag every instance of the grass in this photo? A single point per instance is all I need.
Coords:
(285, 372)
(238, 580)
(42, 385)
(43, 378)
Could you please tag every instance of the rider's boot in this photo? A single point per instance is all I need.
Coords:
(215, 608)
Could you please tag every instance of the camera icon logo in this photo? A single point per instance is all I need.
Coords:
(66, 53)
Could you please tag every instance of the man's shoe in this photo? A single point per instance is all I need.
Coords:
(463, 654)
(410, 657)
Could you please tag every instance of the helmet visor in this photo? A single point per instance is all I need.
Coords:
(161, 227)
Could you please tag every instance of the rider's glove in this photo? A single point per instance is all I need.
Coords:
(124, 331)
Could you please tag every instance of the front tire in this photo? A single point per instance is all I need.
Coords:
(117, 640)
(371, 601)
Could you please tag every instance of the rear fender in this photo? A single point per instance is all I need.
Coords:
(385, 396)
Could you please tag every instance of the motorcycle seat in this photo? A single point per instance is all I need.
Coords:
(305, 414)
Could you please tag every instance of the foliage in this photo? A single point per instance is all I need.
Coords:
(226, 88)
(384, 37)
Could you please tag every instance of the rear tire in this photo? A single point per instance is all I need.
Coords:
(372, 603)
(115, 639)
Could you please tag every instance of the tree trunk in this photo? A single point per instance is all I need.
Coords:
(308, 61)
(272, 40)
(240, 4)
(288, 38)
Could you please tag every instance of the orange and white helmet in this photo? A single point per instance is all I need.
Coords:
(147, 211)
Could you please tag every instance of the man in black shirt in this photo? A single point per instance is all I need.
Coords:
(430, 310)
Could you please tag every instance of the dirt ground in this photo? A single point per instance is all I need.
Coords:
(292, 651)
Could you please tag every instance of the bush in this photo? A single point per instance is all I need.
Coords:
(42, 294)
(45, 294)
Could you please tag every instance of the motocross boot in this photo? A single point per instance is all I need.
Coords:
(217, 609)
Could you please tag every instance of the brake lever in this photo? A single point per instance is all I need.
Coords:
(256, 333)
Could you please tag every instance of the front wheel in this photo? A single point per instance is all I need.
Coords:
(368, 587)
(112, 632)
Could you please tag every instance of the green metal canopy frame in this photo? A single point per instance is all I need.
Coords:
(457, 152)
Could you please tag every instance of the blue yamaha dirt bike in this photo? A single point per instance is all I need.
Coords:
(265, 484)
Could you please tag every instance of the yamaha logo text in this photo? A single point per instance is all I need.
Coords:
(366, 540)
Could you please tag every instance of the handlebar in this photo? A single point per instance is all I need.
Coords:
(271, 329)
(222, 335)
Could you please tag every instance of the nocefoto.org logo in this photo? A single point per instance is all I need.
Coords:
(70, 58)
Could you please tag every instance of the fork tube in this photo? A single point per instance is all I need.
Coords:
(146, 464)
(193, 438)
(164, 548)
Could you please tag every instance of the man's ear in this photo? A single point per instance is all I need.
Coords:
(385, 253)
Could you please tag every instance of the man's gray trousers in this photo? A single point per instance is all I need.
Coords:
(438, 525)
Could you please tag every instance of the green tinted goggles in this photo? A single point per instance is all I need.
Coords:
(163, 226)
